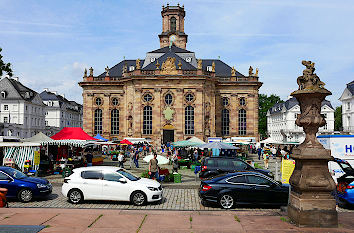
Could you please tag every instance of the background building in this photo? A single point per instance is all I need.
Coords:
(171, 95)
(22, 109)
(347, 99)
(281, 121)
(60, 112)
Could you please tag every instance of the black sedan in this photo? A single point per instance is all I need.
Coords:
(243, 188)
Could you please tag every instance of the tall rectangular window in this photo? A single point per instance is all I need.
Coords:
(242, 122)
(115, 122)
(98, 121)
(189, 120)
(147, 120)
(6, 107)
(225, 122)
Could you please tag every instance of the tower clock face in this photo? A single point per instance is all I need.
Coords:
(173, 38)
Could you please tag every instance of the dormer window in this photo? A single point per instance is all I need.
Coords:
(152, 59)
(209, 68)
(4, 94)
(131, 68)
(188, 59)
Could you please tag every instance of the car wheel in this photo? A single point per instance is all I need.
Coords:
(25, 195)
(226, 201)
(75, 196)
(138, 198)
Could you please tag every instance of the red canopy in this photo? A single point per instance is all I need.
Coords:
(125, 141)
(75, 133)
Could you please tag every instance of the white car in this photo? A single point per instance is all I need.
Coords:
(110, 183)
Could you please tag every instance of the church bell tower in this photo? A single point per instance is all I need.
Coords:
(173, 26)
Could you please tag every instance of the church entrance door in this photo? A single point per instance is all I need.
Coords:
(168, 136)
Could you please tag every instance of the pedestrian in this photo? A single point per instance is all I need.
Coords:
(259, 152)
(175, 162)
(89, 158)
(136, 159)
(131, 158)
(153, 168)
(196, 155)
(121, 160)
(266, 159)
(274, 151)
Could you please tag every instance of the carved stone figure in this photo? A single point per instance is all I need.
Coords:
(233, 72)
(157, 65)
(169, 67)
(91, 71)
(179, 65)
(85, 73)
(200, 64)
(213, 67)
(137, 64)
(107, 71)
(256, 74)
(250, 71)
(309, 80)
(130, 118)
(125, 68)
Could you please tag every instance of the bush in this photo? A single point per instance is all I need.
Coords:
(145, 174)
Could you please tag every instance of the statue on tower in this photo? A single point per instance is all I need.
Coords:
(137, 64)
(309, 80)
(233, 72)
(250, 71)
(91, 71)
(213, 67)
(85, 73)
(200, 64)
(107, 71)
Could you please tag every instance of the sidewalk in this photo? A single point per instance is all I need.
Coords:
(98, 220)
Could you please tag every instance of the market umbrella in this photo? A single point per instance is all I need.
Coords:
(195, 139)
(99, 137)
(218, 145)
(125, 141)
(161, 159)
(186, 144)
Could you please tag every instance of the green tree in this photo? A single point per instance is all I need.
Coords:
(338, 126)
(265, 102)
(5, 67)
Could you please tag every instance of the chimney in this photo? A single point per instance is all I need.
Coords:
(46, 89)
(15, 78)
(62, 95)
(55, 92)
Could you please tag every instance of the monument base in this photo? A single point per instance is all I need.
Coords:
(312, 209)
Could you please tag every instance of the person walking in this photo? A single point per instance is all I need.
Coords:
(136, 158)
(266, 159)
(153, 168)
(274, 151)
(175, 162)
(131, 158)
(89, 158)
(259, 152)
(196, 155)
(121, 160)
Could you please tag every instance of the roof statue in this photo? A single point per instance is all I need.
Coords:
(85, 73)
(179, 65)
(169, 66)
(91, 71)
(125, 68)
(157, 65)
(309, 80)
(137, 64)
(233, 72)
(250, 71)
(213, 67)
(200, 64)
(107, 71)
(256, 74)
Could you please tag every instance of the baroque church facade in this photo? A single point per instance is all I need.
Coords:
(171, 95)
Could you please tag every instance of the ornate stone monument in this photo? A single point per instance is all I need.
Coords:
(311, 203)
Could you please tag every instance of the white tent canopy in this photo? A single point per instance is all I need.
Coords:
(270, 141)
(195, 139)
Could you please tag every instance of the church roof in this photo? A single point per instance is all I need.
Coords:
(117, 70)
(163, 58)
(291, 103)
(221, 68)
(173, 49)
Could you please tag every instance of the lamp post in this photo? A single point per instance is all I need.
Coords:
(311, 203)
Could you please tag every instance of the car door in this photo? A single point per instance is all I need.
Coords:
(240, 188)
(238, 165)
(113, 188)
(7, 182)
(259, 188)
(91, 184)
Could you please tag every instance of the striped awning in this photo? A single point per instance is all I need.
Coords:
(20, 154)
(76, 143)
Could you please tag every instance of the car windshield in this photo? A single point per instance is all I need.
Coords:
(128, 175)
(15, 173)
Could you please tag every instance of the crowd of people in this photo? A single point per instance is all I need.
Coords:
(272, 151)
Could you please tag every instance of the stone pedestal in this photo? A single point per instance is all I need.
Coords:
(311, 203)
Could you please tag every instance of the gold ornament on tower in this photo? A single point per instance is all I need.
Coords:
(213, 67)
(200, 64)
(169, 66)
(233, 72)
(137, 64)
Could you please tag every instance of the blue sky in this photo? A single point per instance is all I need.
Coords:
(49, 43)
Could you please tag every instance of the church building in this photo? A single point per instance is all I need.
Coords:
(171, 95)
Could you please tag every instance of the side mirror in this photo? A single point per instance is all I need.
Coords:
(122, 180)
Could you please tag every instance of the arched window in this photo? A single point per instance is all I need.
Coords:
(147, 120)
(168, 99)
(225, 122)
(115, 122)
(242, 101)
(173, 24)
(98, 121)
(189, 120)
(242, 122)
